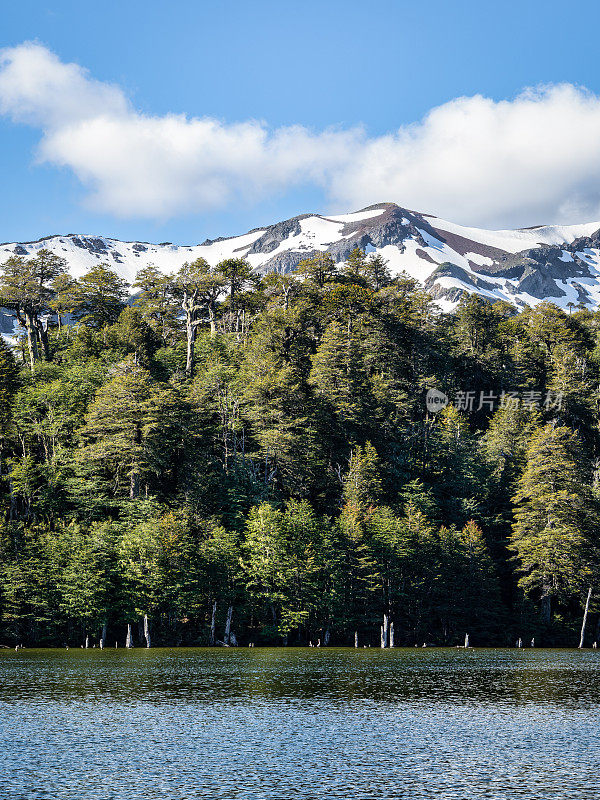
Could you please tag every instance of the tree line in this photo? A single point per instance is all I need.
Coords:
(235, 458)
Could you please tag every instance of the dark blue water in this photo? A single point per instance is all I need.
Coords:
(299, 723)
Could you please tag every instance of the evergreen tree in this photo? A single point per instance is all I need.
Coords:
(235, 273)
(318, 270)
(198, 287)
(338, 375)
(555, 528)
(126, 435)
(158, 302)
(26, 290)
(100, 297)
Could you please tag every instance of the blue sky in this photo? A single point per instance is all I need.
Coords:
(320, 65)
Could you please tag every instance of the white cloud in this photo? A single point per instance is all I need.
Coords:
(532, 159)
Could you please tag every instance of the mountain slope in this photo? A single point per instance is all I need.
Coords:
(558, 263)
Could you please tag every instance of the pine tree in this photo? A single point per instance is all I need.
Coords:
(64, 300)
(338, 375)
(377, 272)
(126, 434)
(235, 273)
(554, 534)
(9, 378)
(198, 286)
(26, 290)
(318, 270)
(158, 302)
(100, 297)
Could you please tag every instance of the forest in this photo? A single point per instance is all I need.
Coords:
(218, 457)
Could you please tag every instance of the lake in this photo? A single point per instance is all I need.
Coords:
(299, 723)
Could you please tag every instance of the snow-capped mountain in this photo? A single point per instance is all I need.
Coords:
(525, 266)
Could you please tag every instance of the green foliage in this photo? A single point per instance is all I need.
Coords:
(260, 447)
(99, 297)
(556, 519)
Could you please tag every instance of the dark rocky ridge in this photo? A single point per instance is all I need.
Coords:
(539, 271)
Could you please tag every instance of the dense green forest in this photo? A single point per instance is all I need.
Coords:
(234, 458)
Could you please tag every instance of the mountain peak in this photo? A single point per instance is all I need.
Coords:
(522, 266)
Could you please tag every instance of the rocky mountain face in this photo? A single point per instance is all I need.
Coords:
(523, 267)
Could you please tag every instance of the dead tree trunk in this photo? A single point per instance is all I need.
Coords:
(546, 609)
(384, 631)
(355, 638)
(146, 630)
(213, 620)
(227, 634)
(326, 637)
(191, 340)
(585, 613)
(42, 332)
(129, 639)
(31, 340)
(103, 636)
(391, 634)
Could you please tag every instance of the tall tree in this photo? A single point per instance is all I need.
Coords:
(235, 273)
(157, 301)
(26, 290)
(126, 434)
(199, 287)
(555, 529)
(100, 297)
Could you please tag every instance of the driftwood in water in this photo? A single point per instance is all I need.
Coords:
(585, 613)
(129, 639)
